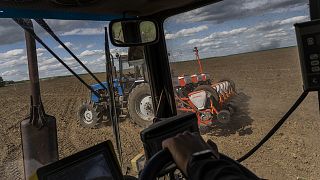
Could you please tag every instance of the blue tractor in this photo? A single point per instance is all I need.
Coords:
(132, 96)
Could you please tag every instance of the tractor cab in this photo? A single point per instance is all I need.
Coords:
(226, 70)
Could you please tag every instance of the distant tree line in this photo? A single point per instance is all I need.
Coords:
(4, 83)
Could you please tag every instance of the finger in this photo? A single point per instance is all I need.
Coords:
(166, 143)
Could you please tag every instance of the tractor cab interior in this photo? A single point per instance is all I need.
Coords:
(138, 24)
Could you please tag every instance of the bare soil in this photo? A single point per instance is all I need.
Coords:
(268, 83)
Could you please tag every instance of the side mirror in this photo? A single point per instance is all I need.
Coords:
(133, 32)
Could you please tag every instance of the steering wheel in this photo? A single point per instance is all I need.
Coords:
(162, 158)
(155, 164)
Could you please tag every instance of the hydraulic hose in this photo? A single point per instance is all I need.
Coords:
(276, 127)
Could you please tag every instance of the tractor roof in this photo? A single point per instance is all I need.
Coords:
(95, 9)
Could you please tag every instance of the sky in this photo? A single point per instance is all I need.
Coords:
(225, 28)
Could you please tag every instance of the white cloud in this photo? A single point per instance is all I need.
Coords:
(51, 67)
(91, 53)
(255, 37)
(276, 34)
(266, 29)
(293, 20)
(271, 26)
(11, 54)
(12, 63)
(10, 32)
(9, 73)
(84, 31)
(229, 33)
(213, 44)
(68, 44)
(232, 10)
(186, 32)
(41, 50)
(43, 62)
(12, 58)
(221, 34)
(97, 61)
(90, 46)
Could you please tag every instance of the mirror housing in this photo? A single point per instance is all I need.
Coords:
(133, 32)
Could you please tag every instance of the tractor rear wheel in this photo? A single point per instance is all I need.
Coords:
(140, 105)
(90, 115)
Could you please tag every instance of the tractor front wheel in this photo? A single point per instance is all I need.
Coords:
(140, 105)
(90, 115)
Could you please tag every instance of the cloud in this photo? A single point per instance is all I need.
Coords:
(268, 45)
(215, 35)
(293, 20)
(9, 72)
(215, 44)
(261, 35)
(186, 32)
(97, 61)
(276, 34)
(84, 31)
(13, 63)
(68, 44)
(51, 67)
(231, 10)
(265, 29)
(47, 61)
(11, 54)
(10, 32)
(91, 53)
(41, 50)
(90, 46)
(15, 74)
(12, 58)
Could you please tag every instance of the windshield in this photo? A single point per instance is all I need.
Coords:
(253, 45)
(245, 47)
(63, 96)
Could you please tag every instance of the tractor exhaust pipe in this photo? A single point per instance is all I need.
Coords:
(38, 130)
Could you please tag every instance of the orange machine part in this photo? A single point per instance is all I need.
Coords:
(182, 81)
(194, 78)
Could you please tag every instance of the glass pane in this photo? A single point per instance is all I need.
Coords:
(117, 32)
(148, 31)
(63, 96)
(253, 45)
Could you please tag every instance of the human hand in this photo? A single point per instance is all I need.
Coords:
(182, 146)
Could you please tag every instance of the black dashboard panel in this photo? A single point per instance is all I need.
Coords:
(97, 162)
(153, 136)
(308, 39)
